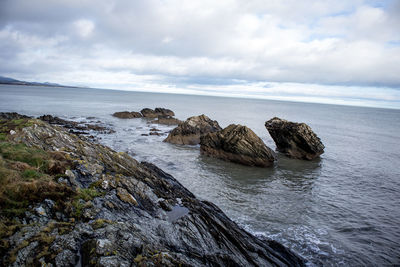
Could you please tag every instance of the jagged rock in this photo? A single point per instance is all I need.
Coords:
(100, 225)
(75, 127)
(12, 116)
(296, 140)
(189, 132)
(150, 113)
(127, 114)
(238, 144)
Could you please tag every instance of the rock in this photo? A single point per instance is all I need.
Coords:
(238, 144)
(189, 132)
(115, 213)
(164, 112)
(150, 113)
(167, 121)
(296, 140)
(127, 115)
(125, 196)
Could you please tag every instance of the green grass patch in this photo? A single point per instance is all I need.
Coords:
(31, 174)
(19, 152)
(88, 194)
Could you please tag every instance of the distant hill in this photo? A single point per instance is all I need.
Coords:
(6, 80)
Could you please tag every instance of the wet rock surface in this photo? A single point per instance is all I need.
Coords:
(190, 131)
(295, 140)
(76, 127)
(117, 211)
(127, 115)
(238, 144)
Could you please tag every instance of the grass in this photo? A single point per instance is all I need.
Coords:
(24, 179)
(35, 157)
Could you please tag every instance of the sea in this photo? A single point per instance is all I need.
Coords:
(342, 209)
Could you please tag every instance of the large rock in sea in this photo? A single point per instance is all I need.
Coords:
(104, 208)
(189, 132)
(238, 144)
(296, 140)
(150, 113)
(127, 114)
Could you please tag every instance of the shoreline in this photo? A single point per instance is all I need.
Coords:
(121, 193)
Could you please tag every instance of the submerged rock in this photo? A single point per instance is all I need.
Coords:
(238, 144)
(127, 114)
(190, 131)
(150, 113)
(110, 210)
(296, 140)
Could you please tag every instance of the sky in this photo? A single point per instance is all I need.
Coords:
(333, 51)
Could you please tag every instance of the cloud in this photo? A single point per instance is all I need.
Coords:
(183, 43)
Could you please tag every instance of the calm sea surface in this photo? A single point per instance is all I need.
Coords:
(343, 209)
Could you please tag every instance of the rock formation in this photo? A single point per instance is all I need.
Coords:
(150, 113)
(127, 114)
(99, 207)
(189, 132)
(167, 120)
(238, 144)
(296, 140)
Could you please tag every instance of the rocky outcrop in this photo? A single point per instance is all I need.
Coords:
(167, 120)
(189, 132)
(238, 144)
(107, 209)
(150, 113)
(296, 140)
(76, 127)
(127, 115)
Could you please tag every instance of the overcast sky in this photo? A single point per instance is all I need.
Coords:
(333, 51)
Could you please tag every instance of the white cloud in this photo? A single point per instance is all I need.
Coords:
(117, 43)
(84, 27)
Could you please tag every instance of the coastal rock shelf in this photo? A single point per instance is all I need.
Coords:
(238, 144)
(189, 132)
(67, 201)
(295, 140)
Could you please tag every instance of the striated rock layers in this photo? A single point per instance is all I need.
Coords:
(238, 144)
(296, 140)
(127, 114)
(189, 132)
(103, 208)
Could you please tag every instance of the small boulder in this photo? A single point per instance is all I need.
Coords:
(164, 112)
(150, 113)
(238, 144)
(189, 132)
(296, 140)
(127, 115)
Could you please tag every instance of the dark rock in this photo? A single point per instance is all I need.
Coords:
(115, 217)
(189, 132)
(296, 140)
(164, 112)
(238, 144)
(127, 115)
(150, 113)
(12, 116)
(155, 133)
(75, 127)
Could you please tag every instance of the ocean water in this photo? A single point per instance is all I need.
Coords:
(341, 209)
